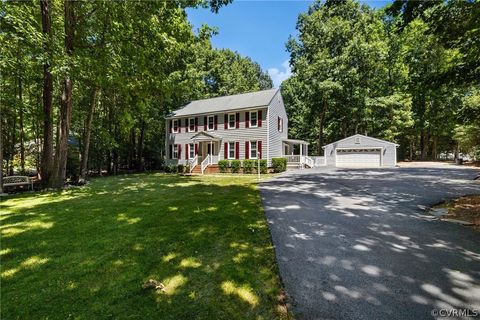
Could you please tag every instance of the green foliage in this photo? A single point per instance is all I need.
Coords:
(235, 166)
(263, 166)
(180, 168)
(114, 236)
(279, 164)
(249, 166)
(223, 165)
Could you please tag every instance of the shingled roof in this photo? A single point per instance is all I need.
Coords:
(227, 103)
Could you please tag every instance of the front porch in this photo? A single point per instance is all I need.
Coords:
(207, 153)
(296, 152)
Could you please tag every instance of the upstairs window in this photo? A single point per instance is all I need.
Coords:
(175, 126)
(211, 122)
(191, 124)
(231, 121)
(253, 119)
(280, 124)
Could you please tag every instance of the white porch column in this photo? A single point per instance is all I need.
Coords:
(301, 149)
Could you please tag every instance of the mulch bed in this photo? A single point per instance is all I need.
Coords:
(466, 208)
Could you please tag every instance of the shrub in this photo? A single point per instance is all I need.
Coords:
(223, 166)
(263, 166)
(279, 164)
(180, 168)
(248, 166)
(235, 166)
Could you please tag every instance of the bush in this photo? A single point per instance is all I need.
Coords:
(279, 164)
(263, 166)
(180, 168)
(223, 166)
(235, 166)
(248, 166)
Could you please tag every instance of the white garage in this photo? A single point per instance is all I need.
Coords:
(359, 151)
(358, 158)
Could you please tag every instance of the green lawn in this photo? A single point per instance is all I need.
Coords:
(85, 253)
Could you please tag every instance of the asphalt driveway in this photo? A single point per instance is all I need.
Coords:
(357, 244)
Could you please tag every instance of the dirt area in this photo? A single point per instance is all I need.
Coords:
(466, 209)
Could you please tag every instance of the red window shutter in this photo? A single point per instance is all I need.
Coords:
(171, 126)
(215, 121)
(247, 119)
(237, 150)
(225, 120)
(225, 150)
(247, 149)
(259, 149)
(237, 120)
(179, 146)
(205, 123)
(196, 124)
(259, 120)
(186, 151)
(196, 148)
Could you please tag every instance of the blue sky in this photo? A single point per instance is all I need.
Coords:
(258, 29)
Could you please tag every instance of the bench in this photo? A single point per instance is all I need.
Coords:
(13, 181)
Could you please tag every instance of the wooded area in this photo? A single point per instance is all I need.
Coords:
(85, 86)
(408, 73)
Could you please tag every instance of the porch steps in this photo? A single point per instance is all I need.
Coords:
(213, 168)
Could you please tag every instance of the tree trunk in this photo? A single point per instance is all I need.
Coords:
(66, 103)
(22, 131)
(1, 155)
(47, 150)
(86, 135)
(131, 152)
(320, 133)
(140, 164)
(13, 137)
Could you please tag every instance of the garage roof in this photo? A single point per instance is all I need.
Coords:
(363, 136)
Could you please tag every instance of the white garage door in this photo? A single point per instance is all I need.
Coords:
(359, 158)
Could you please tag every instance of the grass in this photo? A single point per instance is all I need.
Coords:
(84, 253)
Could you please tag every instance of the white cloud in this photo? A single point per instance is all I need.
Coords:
(279, 75)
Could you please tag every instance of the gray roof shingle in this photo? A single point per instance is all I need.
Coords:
(227, 103)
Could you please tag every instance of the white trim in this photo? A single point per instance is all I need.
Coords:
(250, 149)
(188, 124)
(190, 149)
(234, 121)
(178, 125)
(250, 119)
(267, 118)
(228, 150)
(360, 135)
(208, 122)
(175, 150)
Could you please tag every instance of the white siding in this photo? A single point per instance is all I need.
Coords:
(275, 110)
(241, 134)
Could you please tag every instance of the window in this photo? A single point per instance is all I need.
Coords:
(253, 149)
(191, 124)
(191, 151)
(253, 119)
(231, 150)
(232, 121)
(211, 122)
(175, 151)
(280, 124)
(175, 126)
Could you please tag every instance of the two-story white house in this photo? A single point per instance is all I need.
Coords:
(244, 126)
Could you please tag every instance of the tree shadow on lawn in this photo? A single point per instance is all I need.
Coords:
(355, 244)
(85, 253)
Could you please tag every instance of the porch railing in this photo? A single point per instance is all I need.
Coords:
(309, 162)
(300, 160)
(205, 163)
(293, 158)
(193, 163)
